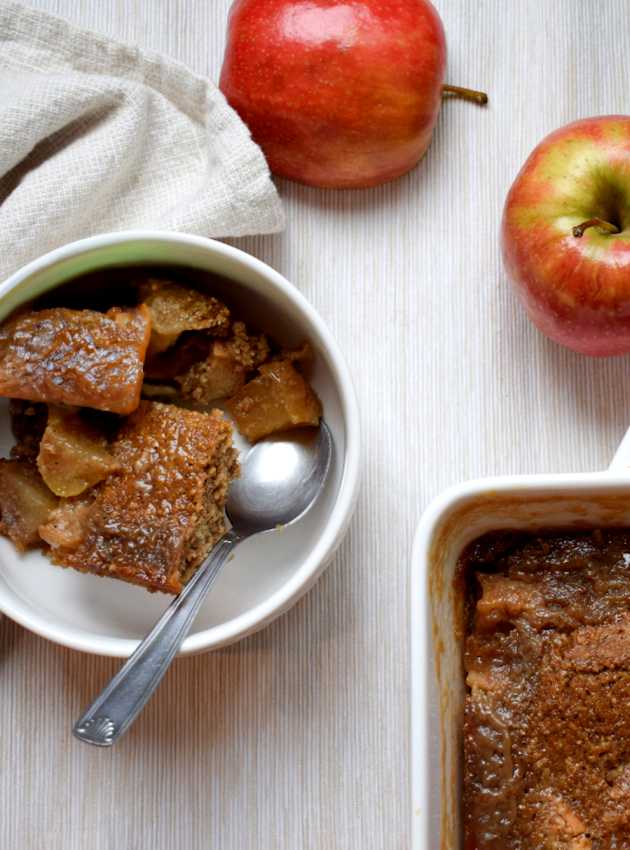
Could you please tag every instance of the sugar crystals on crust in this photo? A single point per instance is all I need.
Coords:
(153, 522)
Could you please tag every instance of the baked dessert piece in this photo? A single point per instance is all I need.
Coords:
(73, 452)
(547, 716)
(25, 502)
(278, 399)
(77, 357)
(152, 522)
(175, 309)
(224, 370)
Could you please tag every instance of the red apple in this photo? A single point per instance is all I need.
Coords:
(566, 235)
(337, 94)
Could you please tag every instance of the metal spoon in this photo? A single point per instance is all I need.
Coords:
(280, 480)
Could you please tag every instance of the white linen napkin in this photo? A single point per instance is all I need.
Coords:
(98, 136)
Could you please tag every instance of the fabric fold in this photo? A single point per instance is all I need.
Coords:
(96, 136)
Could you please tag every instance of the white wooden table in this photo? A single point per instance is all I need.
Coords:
(297, 739)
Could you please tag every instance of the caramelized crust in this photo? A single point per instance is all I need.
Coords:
(175, 309)
(153, 522)
(76, 357)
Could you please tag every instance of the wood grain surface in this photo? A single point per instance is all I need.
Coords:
(297, 739)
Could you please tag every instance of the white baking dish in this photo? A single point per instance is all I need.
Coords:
(452, 520)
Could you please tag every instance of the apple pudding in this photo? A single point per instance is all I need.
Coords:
(547, 712)
(153, 521)
(122, 459)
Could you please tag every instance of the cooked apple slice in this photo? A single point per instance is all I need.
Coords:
(278, 399)
(25, 502)
(73, 453)
(175, 309)
(78, 357)
(66, 525)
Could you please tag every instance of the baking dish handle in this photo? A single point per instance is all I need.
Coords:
(621, 460)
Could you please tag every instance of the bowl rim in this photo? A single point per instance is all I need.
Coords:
(334, 529)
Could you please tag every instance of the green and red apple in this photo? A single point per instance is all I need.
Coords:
(338, 94)
(566, 235)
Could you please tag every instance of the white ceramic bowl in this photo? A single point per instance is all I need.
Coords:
(452, 521)
(269, 573)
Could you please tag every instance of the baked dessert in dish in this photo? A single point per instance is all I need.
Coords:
(122, 464)
(547, 713)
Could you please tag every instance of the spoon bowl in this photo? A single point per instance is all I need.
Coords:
(280, 481)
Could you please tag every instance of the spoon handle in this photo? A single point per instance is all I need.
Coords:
(111, 714)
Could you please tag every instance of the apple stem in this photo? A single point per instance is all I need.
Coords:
(479, 97)
(606, 226)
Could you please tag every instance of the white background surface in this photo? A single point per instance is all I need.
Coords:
(297, 739)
